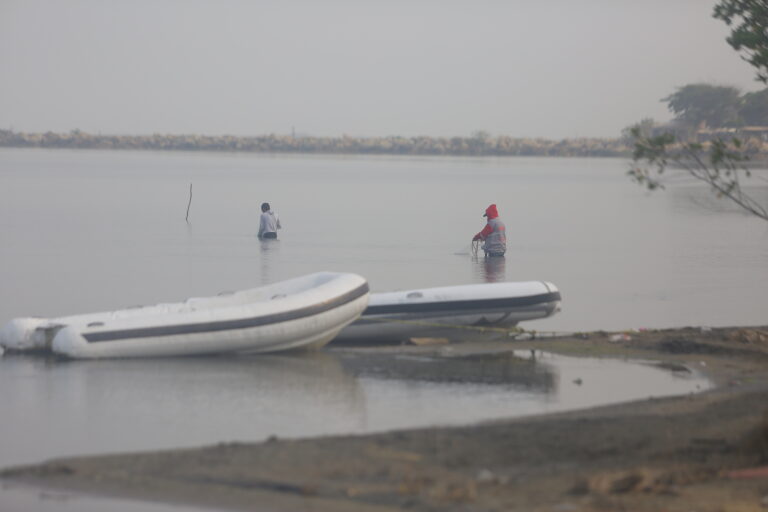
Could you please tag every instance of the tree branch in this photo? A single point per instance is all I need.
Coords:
(721, 173)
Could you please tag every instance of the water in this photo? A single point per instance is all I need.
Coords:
(23, 498)
(54, 408)
(92, 231)
(89, 231)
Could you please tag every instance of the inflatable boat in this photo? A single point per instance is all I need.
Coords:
(436, 311)
(303, 312)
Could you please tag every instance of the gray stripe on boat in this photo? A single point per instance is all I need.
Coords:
(227, 325)
(462, 305)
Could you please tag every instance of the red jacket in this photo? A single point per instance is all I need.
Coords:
(492, 213)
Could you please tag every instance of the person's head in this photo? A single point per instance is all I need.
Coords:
(265, 207)
(491, 212)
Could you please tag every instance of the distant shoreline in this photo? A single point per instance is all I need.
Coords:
(478, 145)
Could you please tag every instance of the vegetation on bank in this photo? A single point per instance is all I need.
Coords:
(479, 144)
(710, 138)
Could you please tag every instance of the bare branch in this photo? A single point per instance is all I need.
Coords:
(721, 172)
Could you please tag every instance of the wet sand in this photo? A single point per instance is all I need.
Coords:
(703, 452)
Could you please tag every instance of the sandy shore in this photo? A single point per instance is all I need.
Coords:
(704, 452)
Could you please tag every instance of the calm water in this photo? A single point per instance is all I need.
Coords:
(88, 231)
(91, 231)
(56, 408)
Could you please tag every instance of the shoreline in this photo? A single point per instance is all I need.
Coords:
(475, 146)
(576, 150)
(678, 453)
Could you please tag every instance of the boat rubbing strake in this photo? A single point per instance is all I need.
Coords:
(303, 312)
(434, 311)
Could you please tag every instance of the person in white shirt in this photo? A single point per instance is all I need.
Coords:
(269, 222)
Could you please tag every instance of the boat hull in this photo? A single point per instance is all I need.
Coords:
(305, 312)
(439, 311)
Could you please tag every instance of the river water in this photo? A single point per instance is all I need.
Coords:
(88, 231)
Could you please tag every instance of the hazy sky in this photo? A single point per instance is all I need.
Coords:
(525, 68)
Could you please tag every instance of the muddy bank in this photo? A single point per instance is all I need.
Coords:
(697, 452)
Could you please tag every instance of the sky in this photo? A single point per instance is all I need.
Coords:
(363, 68)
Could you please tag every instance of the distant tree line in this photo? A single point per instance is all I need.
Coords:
(705, 107)
(718, 106)
(479, 144)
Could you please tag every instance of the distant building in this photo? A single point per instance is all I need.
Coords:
(757, 132)
(743, 132)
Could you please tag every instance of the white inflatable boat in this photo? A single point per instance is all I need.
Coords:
(436, 311)
(303, 312)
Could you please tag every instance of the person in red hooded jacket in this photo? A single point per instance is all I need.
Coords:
(494, 234)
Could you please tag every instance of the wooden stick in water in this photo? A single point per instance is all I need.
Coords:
(190, 202)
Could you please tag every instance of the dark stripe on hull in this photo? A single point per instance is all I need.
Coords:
(228, 325)
(463, 305)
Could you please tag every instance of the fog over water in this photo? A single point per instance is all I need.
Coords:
(554, 69)
(99, 230)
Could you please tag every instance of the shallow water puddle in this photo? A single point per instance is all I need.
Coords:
(59, 408)
(24, 498)
(460, 390)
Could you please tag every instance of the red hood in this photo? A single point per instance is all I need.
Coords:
(491, 212)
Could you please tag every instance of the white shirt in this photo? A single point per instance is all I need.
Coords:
(269, 222)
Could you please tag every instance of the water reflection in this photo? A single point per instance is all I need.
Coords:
(503, 368)
(71, 407)
(15, 497)
(491, 270)
(269, 253)
(53, 408)
(691, 199)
